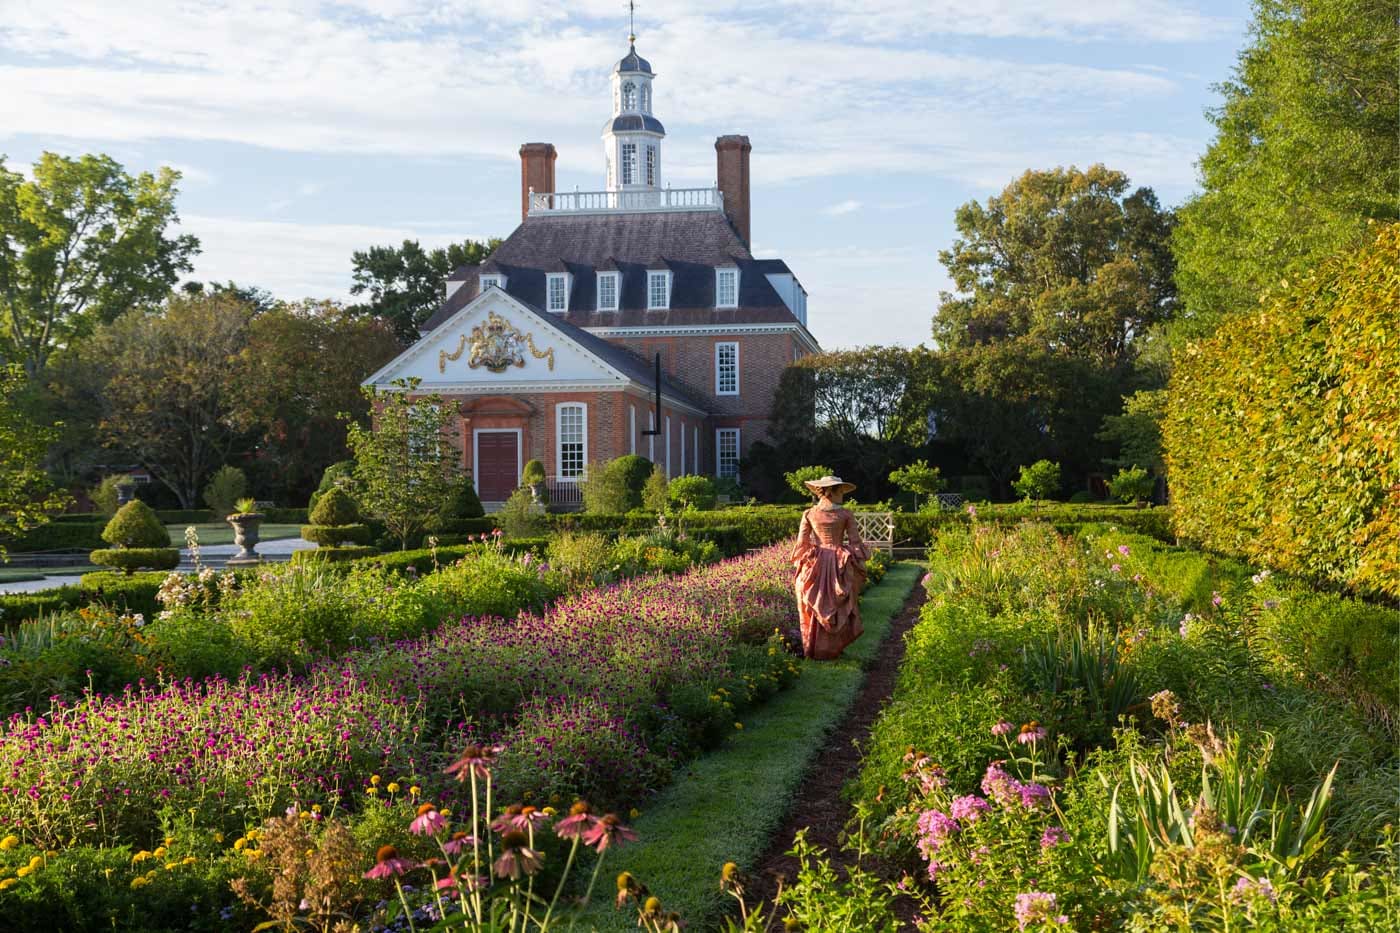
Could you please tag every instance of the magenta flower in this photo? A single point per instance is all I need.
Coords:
(935, 828)
(934, 867)
(388, 864)
(1036, 907)
(579, 821)
(1216, 599)
(428, 821)
(1123, 549)
(475, 759)
(969, 809)
(606, 832)
(1000, 786)
(1053, 836)
(1031, 732)
(521, 818)
(517, 858)
(457, 843)
(1034, 795)
(1248, 887)
(1003, 728)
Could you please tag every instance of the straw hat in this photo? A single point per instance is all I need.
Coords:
(828, 481)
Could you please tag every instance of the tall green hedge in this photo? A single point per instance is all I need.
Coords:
(1283, 429)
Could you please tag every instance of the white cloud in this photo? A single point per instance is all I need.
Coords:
(849, 206)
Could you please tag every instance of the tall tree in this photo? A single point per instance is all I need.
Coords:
(80, 243)
(405, 284)
(300, 369)
(167, 384)
(26, 495)
(1307, 149)
(1065, 257)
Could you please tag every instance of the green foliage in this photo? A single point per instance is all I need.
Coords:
(797, 478)
(131, 559)
(405, 467)
(245, 507)
(85, 241)
(340, 474)
(226, 487)
(616, 487)
(532, 474)
(519, 517)
(1040, 480)
(26, 494)
(329, 553)
(1307, 150)
(919, 478)
(57, 536)
(692, 493)
(586, 559)
(136, 526)
(1132, 484)
(1138, 430)
(405, 284)
(123, 591)
(104, 494)
(654, 494)
(332, 535)
(1283, 437)
(21, 607)
(335, 507)
(822, 899)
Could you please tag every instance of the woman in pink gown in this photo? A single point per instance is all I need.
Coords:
(830, 560)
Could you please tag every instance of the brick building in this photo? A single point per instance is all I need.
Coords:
(548, 348)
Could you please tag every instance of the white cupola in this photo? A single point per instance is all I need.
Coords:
(632, 136)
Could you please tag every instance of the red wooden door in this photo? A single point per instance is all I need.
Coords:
(497, 464)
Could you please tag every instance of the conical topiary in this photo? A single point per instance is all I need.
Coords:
(335, 507)
(136, 525)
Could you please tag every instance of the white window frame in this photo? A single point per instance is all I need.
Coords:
(561, 279)
(652, 165)
(616, 279)
(559, 410)
(720, 434)
(629, 165)
(651, 438)
(665, 277)
(629, 95)
(632, 427)
(720, 275)
(682, 433)
(486, 281)
(644, 97)
(719, 371)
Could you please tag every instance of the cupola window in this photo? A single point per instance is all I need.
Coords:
(651, 166)
(646, 98)
(629, 163)
(629, 96)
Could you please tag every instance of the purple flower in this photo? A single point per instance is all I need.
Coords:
(969, 808)
(1000, 786)
(1031, 732)
(1053, 836)
(1123, 549)
(1036, 907)
(1247, 887)
(1216, 599)
(1003, 728)
(935, 827)
(934, 867)
(1034, 795)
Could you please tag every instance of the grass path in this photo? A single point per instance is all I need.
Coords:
(727, 805)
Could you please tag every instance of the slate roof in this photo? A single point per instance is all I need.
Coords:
(692, 244)
(633, 62)
(634, 121)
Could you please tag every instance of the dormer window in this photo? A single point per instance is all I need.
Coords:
(629, 96)
(557, 292)
(727, 288)
(658, 291)
(489, 280)
(608, 291)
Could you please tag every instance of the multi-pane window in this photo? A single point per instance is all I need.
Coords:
(558, 291)
(607, 291)
(488, 280)
(726, 368)
(629, 163)
(651, 165)
(726, 288)
(646, 98)
(727, 453)
(629, 96)
(658, 290)
(572, 432)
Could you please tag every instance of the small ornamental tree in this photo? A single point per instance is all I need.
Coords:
(533, 479)
(138, 540)
(655, 494)
(692, 492)
(407, 464)
(616, 487)
(1040, 480)
(226, 487)
(335, 521)
(798, 477)
(918, 478)
(1132, 484)
(341, 473)
(464, 502)
(26, 495)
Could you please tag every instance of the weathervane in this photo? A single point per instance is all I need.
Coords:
(631, 22)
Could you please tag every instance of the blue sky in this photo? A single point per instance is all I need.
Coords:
(306, 130)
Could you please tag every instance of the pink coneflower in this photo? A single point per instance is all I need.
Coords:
(1031, 732)
(606, 832)
(1053, 836)
(517, 858)
(428, 821)
(520, 818)
(465, 882)
(1216, 599)
(457, 843)
(969, 808)
(387, 864)
(475, 759)
(579, 821)
(1003, 728)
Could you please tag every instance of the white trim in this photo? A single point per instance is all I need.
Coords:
(708, 330)
(695, 437)
(722, 270)
(549, 279)
(737, 439)
(667, 419)
(718, 345)
(667, 274)
(519, 452)
(651, 438)
(616, 278)
(489, 280)
(559, 442)
(632, 426)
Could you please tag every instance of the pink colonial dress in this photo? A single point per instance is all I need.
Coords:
(830, 560)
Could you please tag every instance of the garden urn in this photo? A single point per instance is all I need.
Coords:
(245, 535)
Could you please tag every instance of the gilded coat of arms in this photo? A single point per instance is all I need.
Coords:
(496, 345)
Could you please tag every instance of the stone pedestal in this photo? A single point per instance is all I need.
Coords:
(245, 535)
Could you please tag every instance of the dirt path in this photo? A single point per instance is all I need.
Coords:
(818, 805)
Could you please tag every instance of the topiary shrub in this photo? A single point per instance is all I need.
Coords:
(1040, 480)
(463, 503)
(226, 487)
(693, 492)
(132, 559)
(332, 535)
(335, 507)
(616, 486)
(333, 554)
(532, 474)
(340, 474)
(1132, 484)
(136, 525)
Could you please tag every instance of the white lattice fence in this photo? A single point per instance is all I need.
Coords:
(877, 529)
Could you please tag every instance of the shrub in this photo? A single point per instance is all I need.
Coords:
(104, 494)
(340, 474)
(332, 535)
(634, 469)
(335, 507)
(1282, 433)
(132, 559)
(519, 517)
(136, 526)
(532, 474)
(655, 497)
(21, 607)
(1040, 480)
(333, 553)
(226, 487)
(1132, 484)
(918, 478)
(56, 536)
(797, 477)
(463, 503)
(616, 486)
(695, 493)
(127, 591)
(583, 558)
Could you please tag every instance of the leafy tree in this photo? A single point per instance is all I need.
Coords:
(165, 383)
(300, 368)
(260, 299)
(1138, 430)
(655, 494)
(1040, 480)
(798, 478)
(1132, 484)
(27, 497)
(692, 492)
(1064, 257)
(81, 242)
(407, 464)
(405, 284)
(919, 478)
(856, 393)
(1307, 149)
(616, 486)
(226, 487)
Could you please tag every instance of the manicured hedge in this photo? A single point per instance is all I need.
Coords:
(21, 607)
(58, 536)
(421, 560)
(134, 593)
(1283, 429)
(333, 555)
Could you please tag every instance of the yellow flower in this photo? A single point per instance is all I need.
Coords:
(140, 856)
(171, 866)
(446, 811)
(393, 787)
(218, 837)
(24, 870)
(159, 852)
(35, 862)
(315, 808)
(8, 883)
(253, 834)
(169, 840)
(371, 791)
(738, 725)
(550, 811)
(415, 790)
(139, 882)
(374, 779)
(188, 860)
(304, 815)
(635, 813)
(9, 842)
(239, 844)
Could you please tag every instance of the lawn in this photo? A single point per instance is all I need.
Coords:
(222, 533)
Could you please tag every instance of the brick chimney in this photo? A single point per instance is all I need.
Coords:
(536, 171)
(732, 158)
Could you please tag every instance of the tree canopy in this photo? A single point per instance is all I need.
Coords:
(26, 495)
(81, 242)
(405, 284)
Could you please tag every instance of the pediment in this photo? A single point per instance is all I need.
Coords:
(496, 342)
